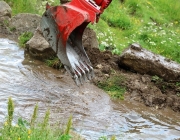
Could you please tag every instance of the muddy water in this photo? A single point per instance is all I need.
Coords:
(29, 82)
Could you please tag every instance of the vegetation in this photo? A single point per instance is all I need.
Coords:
(54, 62)
(29, 6)
(154, 24)
(113, 87)
(25, 37)
(35, 130)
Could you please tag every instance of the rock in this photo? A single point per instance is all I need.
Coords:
(106, 69)
(38, 47)
(143, 61)
(89, 38)
(99, 66)
(5, 11)
(25, 22)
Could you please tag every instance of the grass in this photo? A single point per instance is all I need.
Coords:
(113, 87)
(30, 6)
(54, 62)
(24, 37)
(153, 24)
(36, 130)
(23, 6)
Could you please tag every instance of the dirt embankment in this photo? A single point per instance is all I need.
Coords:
(150, 90)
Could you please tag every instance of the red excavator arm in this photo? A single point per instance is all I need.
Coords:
(63, 27)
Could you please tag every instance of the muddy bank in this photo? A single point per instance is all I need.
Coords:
(150, 90)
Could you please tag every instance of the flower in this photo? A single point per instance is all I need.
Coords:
(29, 131)
(176, 22)
(16, 125)
(6, 123)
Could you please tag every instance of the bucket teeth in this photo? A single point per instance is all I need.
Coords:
(82, 73)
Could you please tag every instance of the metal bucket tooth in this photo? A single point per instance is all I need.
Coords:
(76, 80)
(91, 72)
(86, 70)
(82, 72)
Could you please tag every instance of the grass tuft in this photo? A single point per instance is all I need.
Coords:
(10, 111)
(113, 87)
(34, 116)
(24, 38)
(24, 130)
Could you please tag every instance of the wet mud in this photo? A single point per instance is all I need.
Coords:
(95, 114)
(150, 90)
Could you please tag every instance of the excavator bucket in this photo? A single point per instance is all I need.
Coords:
(63, 27)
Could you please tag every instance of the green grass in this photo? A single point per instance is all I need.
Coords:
(36, 130)
(154, 24)
(30, 6)
(54, 62)
(113, 87)
(23, 6)
(33, 130)
(24, 37)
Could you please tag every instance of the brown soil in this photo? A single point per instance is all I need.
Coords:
(6, 33)
(151, 91)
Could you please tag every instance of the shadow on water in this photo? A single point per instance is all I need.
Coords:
(29, 82)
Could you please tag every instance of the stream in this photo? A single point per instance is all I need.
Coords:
(30, 81)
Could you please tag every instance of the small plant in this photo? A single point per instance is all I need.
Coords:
(103, 138)
(34, 116)
(156, 79)
(24, 130)
(42, 4)
(6, 22)
(113, 138)
(113, 87)
(25, 37)
(10, 111)
(46, 120)
(178, 84)
(54, 62)
(66, 135)
(12, 29)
